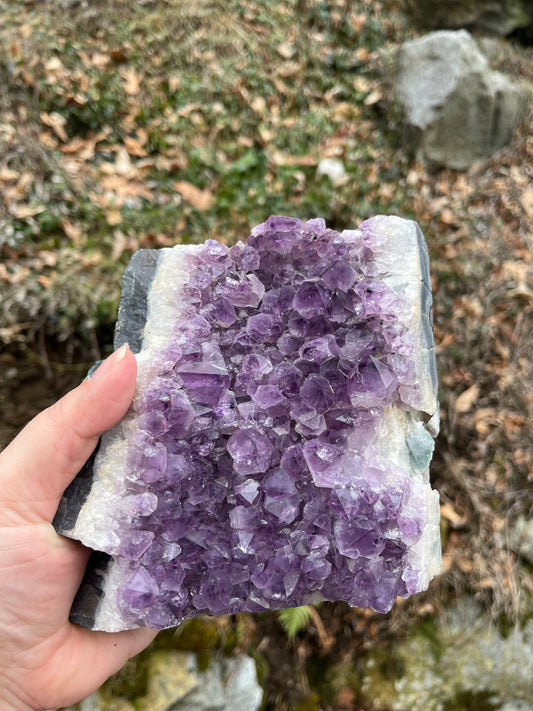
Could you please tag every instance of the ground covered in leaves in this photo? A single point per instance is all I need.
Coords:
(128, 125)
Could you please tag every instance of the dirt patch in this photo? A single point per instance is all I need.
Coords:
(29, 384)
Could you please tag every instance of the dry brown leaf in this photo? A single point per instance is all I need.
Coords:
(134, 147)
(450, 514)
(47, 258)
(119, 55)
(87, 261)
(447, 216)
(187, 110)
(174, 83)
(373, 98)
(447, 564)
(150, 240)
(124, 188)
(266, 135)
(95, 59)
(280, 159)
(123, 164)
(120, 243)
(15, 49)
(74, 146)
(446, 341)
(132, 81)
(113, 217)
(363, 54)
(527, 201)
(361, 84)
(23, 212)
(72, 231)
(8, 175)
(45, 281)
(514, 423)
(54, 66)
(467, 398)
(484, 419)
(286, 50)
(259, 105)
(465, 566)
(57, 123)
(199, 199)
(19, 275)
(99, 199)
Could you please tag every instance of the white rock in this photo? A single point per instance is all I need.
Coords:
(458, 110)
(333, 169)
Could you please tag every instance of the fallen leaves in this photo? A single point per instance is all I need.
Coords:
(24, 212)
(132, 81)
(73, 231)
(286, 50)
(199, 199)
(57, 123)
(456, 520)
(7, 175)
(466, 399)
(526, 200)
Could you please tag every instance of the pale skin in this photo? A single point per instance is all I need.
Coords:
(46, 662)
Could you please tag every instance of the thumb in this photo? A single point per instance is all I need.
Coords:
(43, 459)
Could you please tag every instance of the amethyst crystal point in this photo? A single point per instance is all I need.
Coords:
(277, 449)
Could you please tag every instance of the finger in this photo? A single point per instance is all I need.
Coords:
(99, 654)
(43, 459)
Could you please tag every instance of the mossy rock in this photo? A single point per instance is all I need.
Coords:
(171, 676)
(459, 662)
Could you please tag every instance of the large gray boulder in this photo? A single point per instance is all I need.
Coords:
(458, 110)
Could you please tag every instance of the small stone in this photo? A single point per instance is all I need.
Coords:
(333, 169)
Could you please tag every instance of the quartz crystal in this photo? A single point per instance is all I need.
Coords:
(277, 448)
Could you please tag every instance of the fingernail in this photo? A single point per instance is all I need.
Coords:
(110, 362)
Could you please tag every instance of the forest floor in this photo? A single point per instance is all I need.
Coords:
(129, 125)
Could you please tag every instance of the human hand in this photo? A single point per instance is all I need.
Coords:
(47, 662)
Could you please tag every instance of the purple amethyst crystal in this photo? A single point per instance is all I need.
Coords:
(276, 452)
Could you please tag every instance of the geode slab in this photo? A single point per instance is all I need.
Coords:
(277, 448)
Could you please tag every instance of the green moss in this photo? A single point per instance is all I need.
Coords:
(199, 635)
(312, 702)
(131, 681)
(468, 700)
(429, 630)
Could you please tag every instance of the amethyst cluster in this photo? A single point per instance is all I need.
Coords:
(276, 451)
